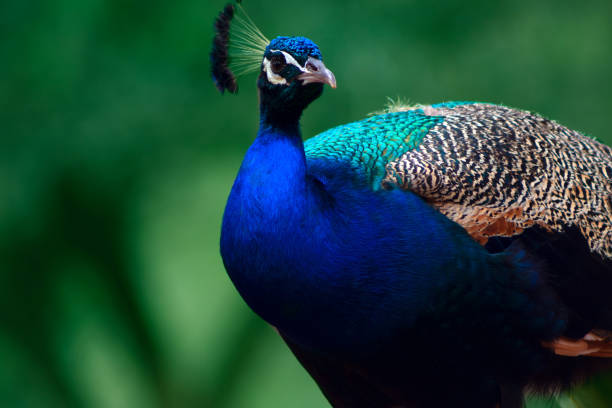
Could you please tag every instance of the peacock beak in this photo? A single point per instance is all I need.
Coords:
(316, 71)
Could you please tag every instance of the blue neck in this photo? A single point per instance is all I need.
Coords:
(265, 210)
(276, 165)
(271, 129)
(281, 115)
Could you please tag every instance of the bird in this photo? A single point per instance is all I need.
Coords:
(452, 254)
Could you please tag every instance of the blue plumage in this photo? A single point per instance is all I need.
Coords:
(374, 272)
(299, 47)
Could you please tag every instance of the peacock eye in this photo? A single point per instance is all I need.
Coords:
(311, 67)
(277, 63)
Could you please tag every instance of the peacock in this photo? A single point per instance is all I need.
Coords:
(454, 254)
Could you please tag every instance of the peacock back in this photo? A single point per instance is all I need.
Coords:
(494, 170)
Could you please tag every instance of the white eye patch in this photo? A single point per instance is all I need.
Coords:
(275, 78)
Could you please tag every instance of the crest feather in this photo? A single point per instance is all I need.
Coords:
(238, 51)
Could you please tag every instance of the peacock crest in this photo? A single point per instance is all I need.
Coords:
(238, 47)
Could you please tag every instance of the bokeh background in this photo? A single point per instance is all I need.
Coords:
(117, 154)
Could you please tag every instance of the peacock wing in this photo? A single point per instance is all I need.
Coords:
(493, 170)
(497, 171)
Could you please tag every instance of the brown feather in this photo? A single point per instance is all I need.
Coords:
(591, 345)
(497, 171)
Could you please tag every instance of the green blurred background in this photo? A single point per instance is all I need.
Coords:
(117, 154)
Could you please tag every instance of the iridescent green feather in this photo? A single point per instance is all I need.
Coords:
(368, 145)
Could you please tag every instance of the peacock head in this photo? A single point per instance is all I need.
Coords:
(291, 69)
(292, 74)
